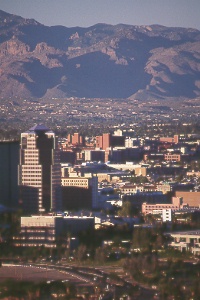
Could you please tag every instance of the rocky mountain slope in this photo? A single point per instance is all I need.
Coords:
(101, 61)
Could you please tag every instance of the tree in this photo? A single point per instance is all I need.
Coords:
(195, 290)
(160, 239)
(126, 210)
(18, 289)
(80, 253)
(100, 255)
(143, 239)
(131, 266)
(139, 179)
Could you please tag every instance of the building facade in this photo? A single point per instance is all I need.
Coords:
(80, 192)
(9, 160)
(75, 139)
(172, 157)
(39, 173)
(186, 241)
(37, 230)
(150, 208)
(174, 139)
(106, 140)
(189, 198)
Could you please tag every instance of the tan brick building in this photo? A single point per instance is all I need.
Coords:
(190, 198)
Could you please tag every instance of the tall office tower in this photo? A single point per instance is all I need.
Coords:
(9, 160)
(107, 140)
(76, 139)
(39, 171)
(103, 141)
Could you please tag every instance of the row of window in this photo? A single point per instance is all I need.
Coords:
(158, 206)
(75, 184)
(48, 238)
(32, 181)
(35, 245)
(30, 167)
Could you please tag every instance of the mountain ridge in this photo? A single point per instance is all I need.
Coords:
(101, 61)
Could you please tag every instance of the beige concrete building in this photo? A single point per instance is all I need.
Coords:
(89, 183)
(76, 181)
(37, 231)
(39, 173)
(103, 176)
(190, 198)
(158, 208)
(131, 189)
(188, 241)
(164, 188)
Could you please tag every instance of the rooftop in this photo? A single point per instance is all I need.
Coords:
(39, 127)
(185, 233)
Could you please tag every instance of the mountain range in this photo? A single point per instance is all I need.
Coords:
(101, 61)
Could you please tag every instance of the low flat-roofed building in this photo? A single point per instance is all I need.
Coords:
(134, 188)
(194, 173)
(148, 208)
(124, 167)
(37, 231)
(75, 224)
(189, 198)
(138, 199)
(172, 157)
(174, 139)
(131, 189)
(103, 176)
(186, 241)
(164, 188)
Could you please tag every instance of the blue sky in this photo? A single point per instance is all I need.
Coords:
(84, 13)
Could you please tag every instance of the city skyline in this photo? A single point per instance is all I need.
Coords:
(177, 13)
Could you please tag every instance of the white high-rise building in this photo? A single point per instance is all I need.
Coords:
(39, 171)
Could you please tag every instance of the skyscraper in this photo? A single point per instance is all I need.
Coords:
(39, 171)
(9, 160)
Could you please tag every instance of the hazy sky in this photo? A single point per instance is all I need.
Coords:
(84, 13)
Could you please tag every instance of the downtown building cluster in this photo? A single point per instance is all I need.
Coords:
(58, 176)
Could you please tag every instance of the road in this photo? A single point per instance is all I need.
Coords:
(80, 276)
(39, 273)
